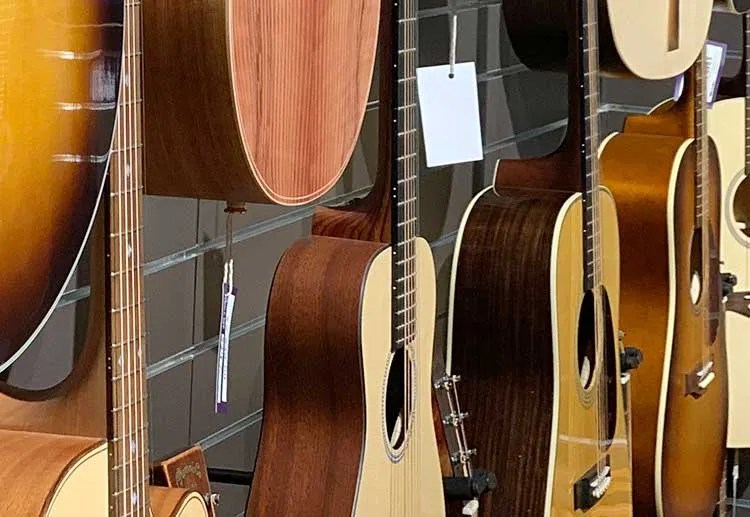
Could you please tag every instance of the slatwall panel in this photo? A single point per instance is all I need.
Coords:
(523, 114)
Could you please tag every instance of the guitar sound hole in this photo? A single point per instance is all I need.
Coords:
(586, 342)
(741, 203)
(396, 420)
(696, 267)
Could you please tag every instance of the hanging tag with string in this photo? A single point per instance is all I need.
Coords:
(228, 296)
(449, 108)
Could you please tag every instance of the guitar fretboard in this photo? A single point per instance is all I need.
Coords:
(701, 141)
(589, 75)
(405, 181)
(129, 478)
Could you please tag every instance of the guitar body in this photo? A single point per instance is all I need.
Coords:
(652, 40)
(725, 121)
(328, 316)
(678, 440)
(49, 475)
(515, 303)
(59, 78)
(176, 502)
(270, 83)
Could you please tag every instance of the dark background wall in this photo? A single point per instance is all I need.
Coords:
(523, 114)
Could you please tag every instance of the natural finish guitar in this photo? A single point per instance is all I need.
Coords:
(729, 126)
(58, 91)
(533, 316)
(353, 321)
(279, 88)
(664, 174)
(72, 476)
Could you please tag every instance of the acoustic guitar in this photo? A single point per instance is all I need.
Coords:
(83, 475)
(59, 76)
(280, 88)
(664, 173)
(653, 40)
(533, 315)
(349, 343)
(728, 125)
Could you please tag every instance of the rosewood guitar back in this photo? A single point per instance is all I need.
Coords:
(255, 100)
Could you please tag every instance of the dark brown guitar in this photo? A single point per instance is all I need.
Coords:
(534, 310)
(664, 173)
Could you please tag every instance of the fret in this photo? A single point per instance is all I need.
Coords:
(138, 404)
(589, 84)
(126, 192)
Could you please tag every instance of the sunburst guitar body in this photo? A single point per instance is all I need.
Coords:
(59, 78)
(725, 123)
(670, 305)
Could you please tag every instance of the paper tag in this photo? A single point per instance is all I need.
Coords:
(449, 109)
(716, 57)
(222, 361)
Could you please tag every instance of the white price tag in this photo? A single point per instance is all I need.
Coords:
(716, 57)
(449, 107)
(222, 361)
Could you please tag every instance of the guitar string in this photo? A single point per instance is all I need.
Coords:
(589, 205)
(134, 192)
(126, 246)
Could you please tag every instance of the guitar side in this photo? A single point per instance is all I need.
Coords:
(513, 331)
(724, 122)
(658, 316)
(328, 316)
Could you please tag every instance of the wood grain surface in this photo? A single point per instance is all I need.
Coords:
(35, 464)
(313, 425)
(266, 105)
(503, 343)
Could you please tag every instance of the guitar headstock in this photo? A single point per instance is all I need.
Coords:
(187, 470)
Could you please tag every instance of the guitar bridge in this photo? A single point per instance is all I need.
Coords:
(590, 489)
(698, 380)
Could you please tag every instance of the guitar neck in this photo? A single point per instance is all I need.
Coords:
(127, 394)
(588, 88)
(701, 140)
(405, 173)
